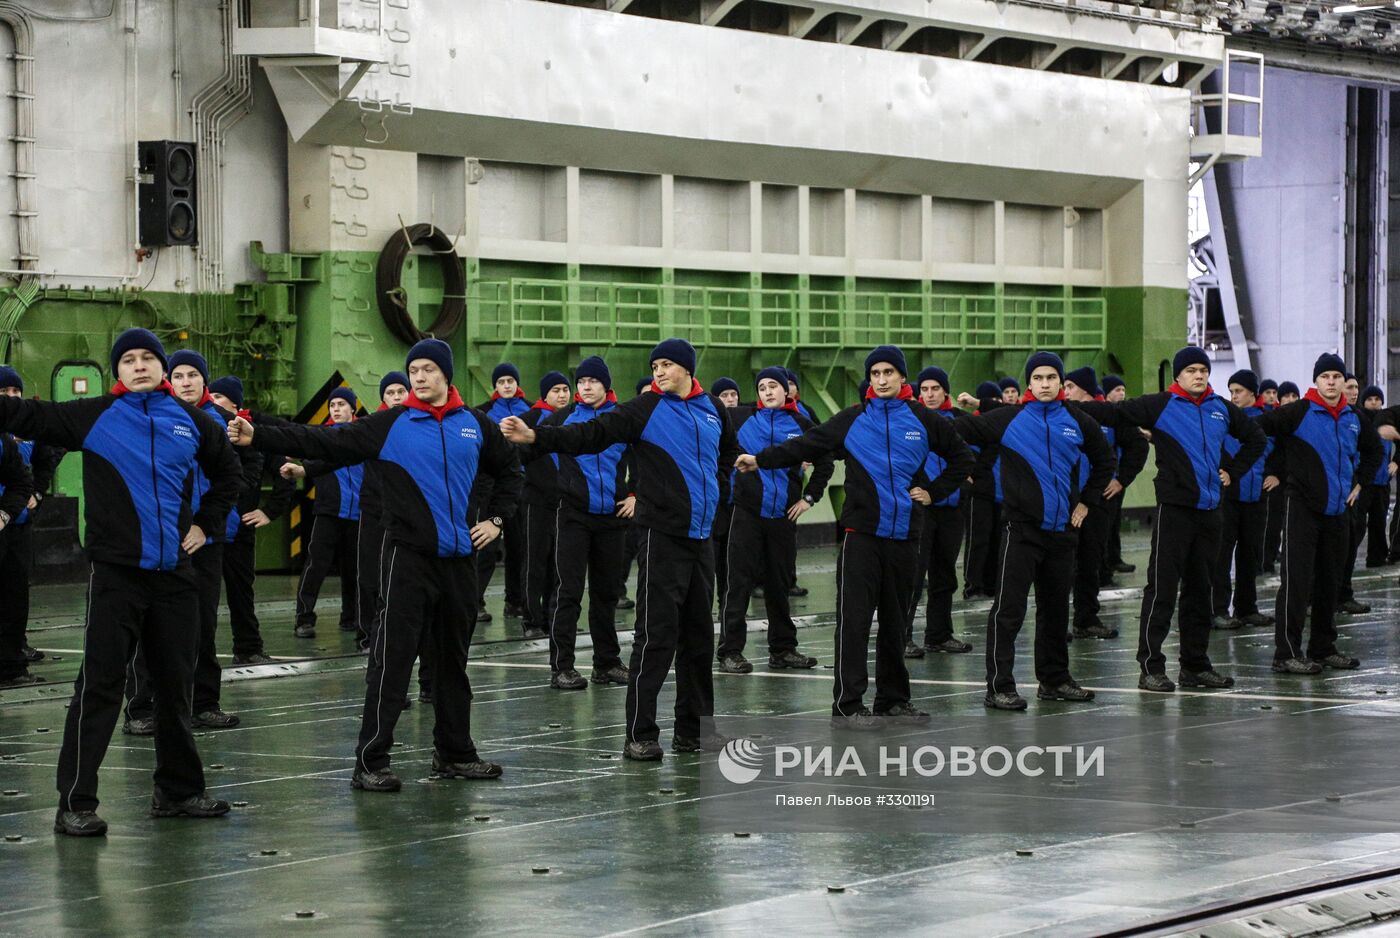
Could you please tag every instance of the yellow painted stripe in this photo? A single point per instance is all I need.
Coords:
(296, 547)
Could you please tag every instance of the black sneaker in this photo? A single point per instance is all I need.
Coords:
(469, 770)
(913, 651)
(1004, 700)
(568, 679)
(862, 720)
(1296, 666)
(200, 805)
(616, 674)
(626, 603)
(349, 627)
(1121, 567)
(380, 780)
(712, 742)
(1225, 622)
(1339, 662)
(949, 646)
(1353, 608)
(1257, 620)
(304, 631)
(425, 695)
(1097, 630)
(642, 750)
(32, 655)
(23, 679)
(79, 824)
(903, 713)
(798, 591)
(257, 658)
(1158, 683)
(532, 634)
(215, 719)
(141, 726)
(483, 616)
(735, 664)
(514, 611)
(1207, 678)
(791, 659)
(1068, 691)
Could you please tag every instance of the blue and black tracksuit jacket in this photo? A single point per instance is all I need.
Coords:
(140, 450)
(590, 483)
(885, 445)
(1326, 451)
(1041, 445)
(499, 408)
(679, 444)
(541, 475)
(427, 463)
(935, 464)
(1249, 488)
(250, 476)
(16, 478)
(1189, 437)
(769, 493)
(42, 462)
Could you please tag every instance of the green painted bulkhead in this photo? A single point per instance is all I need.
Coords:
(316, 314)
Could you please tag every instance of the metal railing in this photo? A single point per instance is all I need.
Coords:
(528, 311)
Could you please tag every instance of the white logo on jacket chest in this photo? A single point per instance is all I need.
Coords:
(181, 430)
(469, 433)
(1217, 415)
(913, 435)
(1070, 433)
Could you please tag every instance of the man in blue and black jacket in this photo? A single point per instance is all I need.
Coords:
(1326, 447)
(1375, 492)
(539, 514)
(593, 507)
(1047, 498)
(1287, 393)
(17, 488)
(1115, 391)
(762, 537)
(140, 447)
(885, 441)
(982, 509)
(1242, 522)
(680, 437)
(16, 543)
(429, 454)
(1130, 453)
(940, 537)
(335, 530)
(189, 374)
(1189, 423)
(506, 401)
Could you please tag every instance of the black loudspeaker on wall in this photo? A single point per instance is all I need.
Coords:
(167, 193)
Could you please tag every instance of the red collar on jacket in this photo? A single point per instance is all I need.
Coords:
(206, 399)
(119, 389)
(947, 403)
(382, 407)
(906, 393)
(696, 389)
(1336, 412)
(1030, 398)
(542, 404)
(1100, 397)
(454, 401)
(1180, 392)
(609, 398)
(496, 396)
(788, 404)
(246, 415)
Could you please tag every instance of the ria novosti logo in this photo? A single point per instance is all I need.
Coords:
(740, 761)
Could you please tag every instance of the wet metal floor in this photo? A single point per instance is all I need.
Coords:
(575, 841)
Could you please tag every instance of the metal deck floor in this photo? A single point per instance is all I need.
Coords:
(630, 847)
